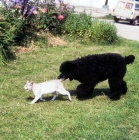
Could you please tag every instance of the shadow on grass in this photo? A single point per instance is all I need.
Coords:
(96, 92)
(49, 97)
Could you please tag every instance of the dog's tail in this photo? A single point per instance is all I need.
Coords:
(129, 59)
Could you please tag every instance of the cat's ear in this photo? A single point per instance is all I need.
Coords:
(28, 81)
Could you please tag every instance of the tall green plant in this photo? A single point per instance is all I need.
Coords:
(21, 22)
(3, 55)
(102, 32)
(76, 25)
(10, 26)
(83, 26)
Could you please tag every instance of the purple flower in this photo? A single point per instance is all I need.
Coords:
(32, 9)
(54, 3)
(45, 4)
(69, 7)
(11, 0)
(25, 10)
(60, 1)
(17, 3)
(22, 1)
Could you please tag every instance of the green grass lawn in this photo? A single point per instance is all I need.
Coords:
(96, 118)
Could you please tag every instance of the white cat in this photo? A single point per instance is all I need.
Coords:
(45, 88)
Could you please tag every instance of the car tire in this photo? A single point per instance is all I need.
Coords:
(135, 22)
(116, 19)
(131, 22)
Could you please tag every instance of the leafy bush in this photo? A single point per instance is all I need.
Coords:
(36, 16)
(107, 17)
(102, 31)
(21, 23)
(41, 16)
(82, 26)
(76, 25)
(9, 29)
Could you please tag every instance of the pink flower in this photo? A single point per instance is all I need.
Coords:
(34, 12)
(60, 17)
(44, 10)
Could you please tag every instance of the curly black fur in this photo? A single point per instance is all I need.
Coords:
(92, 69)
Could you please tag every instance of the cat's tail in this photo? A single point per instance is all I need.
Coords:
(129, 59)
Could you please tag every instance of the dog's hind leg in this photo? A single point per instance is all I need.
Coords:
(54, 96)
(62, 91)
(124, 87)
(115, 86)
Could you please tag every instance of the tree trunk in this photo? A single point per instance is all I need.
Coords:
(106, 2)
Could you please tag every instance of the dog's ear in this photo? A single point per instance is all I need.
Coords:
(65, 66)
(72, 73)
(68, 68)
(71, 67)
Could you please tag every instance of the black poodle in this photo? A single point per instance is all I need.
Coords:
(92, 69)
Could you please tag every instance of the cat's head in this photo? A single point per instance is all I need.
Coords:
(28, 86)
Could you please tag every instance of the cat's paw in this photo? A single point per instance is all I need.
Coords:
(30, 103)
(43, 100)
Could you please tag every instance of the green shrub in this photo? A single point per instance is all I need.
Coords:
(10, 28)
(102, 31)
(21, 23)
(6, 38)
(76, 25)
(83, 26)
(107, 17)
(46, 16)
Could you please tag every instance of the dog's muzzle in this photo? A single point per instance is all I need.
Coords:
(62, 77)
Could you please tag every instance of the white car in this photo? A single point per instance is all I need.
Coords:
(126, 10)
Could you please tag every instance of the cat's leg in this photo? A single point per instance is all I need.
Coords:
(42, 99)
(35, 99)
(62, 91)
(54, 96)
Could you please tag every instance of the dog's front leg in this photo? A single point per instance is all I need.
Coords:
(35, 99)
(54, 96)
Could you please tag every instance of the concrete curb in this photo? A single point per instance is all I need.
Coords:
(95, 12)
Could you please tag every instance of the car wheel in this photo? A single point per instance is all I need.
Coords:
(131, 22)
(116, 19)
(135, 22)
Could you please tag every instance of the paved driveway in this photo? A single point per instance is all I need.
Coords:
(124, 29)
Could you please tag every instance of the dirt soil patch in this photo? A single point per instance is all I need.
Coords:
(56, 41)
